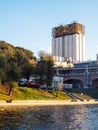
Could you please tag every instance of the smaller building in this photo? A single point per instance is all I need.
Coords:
(56, 80)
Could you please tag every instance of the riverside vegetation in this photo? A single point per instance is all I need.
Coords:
(25, 93)
(18, 62)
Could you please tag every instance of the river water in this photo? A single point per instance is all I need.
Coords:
(71, 117)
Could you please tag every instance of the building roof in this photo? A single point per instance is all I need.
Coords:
(68, 29)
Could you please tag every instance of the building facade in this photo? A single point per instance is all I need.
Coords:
(68, 42)
(84, 74)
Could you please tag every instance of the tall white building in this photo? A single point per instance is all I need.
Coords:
(68, 42)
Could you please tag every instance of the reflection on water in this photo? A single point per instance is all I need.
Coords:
(78, 117)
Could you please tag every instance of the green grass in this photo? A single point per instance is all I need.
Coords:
(35, 94)
(22, 93)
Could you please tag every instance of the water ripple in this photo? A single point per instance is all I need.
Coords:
(78, 117)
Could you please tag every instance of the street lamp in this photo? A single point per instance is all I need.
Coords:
(86, 76)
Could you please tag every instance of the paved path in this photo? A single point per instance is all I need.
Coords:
(45, 102)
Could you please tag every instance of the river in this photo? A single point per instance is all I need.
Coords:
(71, 117)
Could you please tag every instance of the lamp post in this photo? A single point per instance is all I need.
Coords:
(86, 76)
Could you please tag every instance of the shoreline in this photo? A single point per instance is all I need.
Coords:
(45, 102)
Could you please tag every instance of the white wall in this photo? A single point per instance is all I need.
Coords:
(66, 46)
(60, 48)
(77, 48)
(74, 47)
(83, 48)
(71, 46)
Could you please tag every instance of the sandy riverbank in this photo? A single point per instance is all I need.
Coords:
(45, 102)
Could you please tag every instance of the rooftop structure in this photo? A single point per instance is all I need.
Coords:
(68, 29)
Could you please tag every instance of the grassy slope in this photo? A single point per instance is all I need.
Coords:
(21, 93)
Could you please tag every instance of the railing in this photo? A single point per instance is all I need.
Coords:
(73, 96)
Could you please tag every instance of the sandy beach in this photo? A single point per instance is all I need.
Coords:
(45, 102)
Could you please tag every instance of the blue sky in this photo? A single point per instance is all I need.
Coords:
(29, 23)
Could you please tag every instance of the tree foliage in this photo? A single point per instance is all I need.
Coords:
(12, 61)
(16, 62)
(45, 68)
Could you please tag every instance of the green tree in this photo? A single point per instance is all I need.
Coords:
(27, 70)
(13, 73)
(12, 60)
(45, 68)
